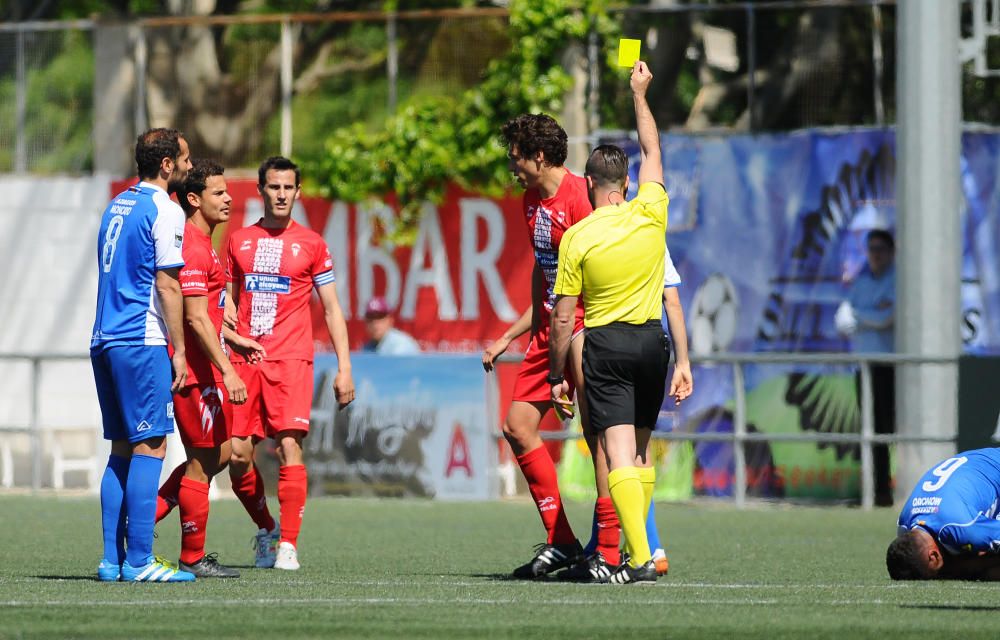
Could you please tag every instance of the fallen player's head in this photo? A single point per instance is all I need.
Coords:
(913, 555)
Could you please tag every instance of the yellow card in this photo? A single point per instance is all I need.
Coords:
(628, 52)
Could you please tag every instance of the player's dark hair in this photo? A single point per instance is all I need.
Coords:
(197, 180)
(905, 558)
(277, 163)
(883, 235)
(607, 166)
(152, 147)
(534, 132)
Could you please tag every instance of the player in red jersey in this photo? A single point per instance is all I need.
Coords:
(554, 200)
(273, 267)
(203, 407)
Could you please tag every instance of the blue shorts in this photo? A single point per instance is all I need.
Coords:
(133, 387)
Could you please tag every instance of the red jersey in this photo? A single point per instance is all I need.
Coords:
(202, 275)
(548, 219)
(273, 272)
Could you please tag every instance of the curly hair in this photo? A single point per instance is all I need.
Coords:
(196, 181)
(152, 147)
(904, 559)
(277, 163)
(534, 132)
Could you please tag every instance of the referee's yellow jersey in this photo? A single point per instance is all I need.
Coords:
(615, 257)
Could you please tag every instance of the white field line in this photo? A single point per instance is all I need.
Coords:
(493, 584)
(412, 602)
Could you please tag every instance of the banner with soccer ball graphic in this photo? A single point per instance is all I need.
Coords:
(766, 232)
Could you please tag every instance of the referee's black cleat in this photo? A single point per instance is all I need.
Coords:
(627, 574)
(591, 569)
(209, 567)
(549, 558)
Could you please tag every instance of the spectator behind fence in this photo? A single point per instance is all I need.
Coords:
(868, 317)
(384, 338)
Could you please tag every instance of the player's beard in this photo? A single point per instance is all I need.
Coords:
(175, 181)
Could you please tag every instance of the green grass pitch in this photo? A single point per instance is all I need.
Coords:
(421, 569)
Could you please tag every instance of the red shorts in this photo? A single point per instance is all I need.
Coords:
(204, 415)
(532, 383)
(279, 397)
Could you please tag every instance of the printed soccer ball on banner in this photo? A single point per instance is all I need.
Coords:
(714, 313)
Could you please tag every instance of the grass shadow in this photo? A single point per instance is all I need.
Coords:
(951, 607)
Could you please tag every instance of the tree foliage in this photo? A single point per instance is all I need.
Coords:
(432, 142)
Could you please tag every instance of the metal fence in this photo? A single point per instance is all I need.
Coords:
(865, 438)
(45, 409)
(74, 94)
(34, 429)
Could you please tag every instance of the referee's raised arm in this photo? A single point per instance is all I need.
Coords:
(651, 165)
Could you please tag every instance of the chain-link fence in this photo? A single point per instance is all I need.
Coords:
(46, 98)
(74, 94)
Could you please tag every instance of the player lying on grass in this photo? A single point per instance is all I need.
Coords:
(948, 528)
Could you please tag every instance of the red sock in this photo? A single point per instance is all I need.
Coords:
(166, 498)
(193, 502)
(608, 530)
(540, 472)
(249, 488)
(292, 498)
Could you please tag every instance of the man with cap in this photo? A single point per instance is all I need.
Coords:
(383, 337)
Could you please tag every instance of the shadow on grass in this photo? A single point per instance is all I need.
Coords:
(76, 578)
(500, 577)
(951, 607)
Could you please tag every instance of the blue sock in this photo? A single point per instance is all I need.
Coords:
(113, 508)
(592, 545)
(651, 533)
(140, 505)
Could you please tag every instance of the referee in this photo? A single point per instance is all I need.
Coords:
(614, 257)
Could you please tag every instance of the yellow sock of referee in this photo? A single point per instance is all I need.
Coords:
(630, 500)
(647, 476)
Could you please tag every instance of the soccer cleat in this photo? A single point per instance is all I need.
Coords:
(209, 567)
(592, 569)
(158, 570)
(627, 574)
(265, 544)
(287, 557)
(661, 562)
(549, 558)
(108, 571)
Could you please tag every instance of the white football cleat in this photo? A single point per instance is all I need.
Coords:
(287, 557)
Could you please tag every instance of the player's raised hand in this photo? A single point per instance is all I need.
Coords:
(179, 363)
(640, 79)
(235, 386)
(494, 351)
(343, 388)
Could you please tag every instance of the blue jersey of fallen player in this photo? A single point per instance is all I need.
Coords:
(142, 231)
(956, 502)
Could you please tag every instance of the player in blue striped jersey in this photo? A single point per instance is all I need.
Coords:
(139, 305)
(948, 527)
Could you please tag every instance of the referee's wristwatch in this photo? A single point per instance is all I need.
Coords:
(554, 380)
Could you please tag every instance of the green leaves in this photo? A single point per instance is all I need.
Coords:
(432, 142)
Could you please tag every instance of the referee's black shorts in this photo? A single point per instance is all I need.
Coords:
(625, 367)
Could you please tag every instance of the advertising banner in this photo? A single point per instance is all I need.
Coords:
(765, 257)
(417, 428)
